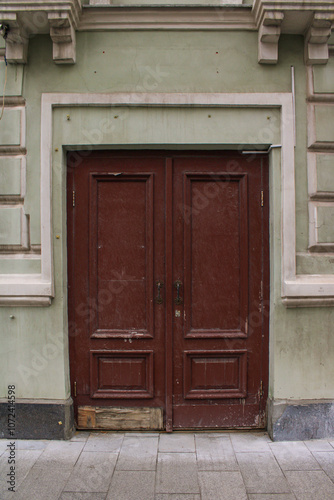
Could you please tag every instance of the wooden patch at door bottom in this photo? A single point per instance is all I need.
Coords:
(116, 419)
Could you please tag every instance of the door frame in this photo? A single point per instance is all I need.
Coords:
(168, 290)
(294, 288)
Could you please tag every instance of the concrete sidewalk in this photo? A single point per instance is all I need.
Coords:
(178, 466)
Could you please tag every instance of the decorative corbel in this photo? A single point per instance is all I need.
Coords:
(316, 39)
(311, 18)
(269, 33)
(16, 39)
(63, 37)
(17, 19)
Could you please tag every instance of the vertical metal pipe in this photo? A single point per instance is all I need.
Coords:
(293, 90)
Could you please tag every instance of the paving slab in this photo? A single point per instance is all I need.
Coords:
(80, 436)
(250, 442)
(283, 496)
(215, 453)
(142, 434)
(78, 469)
(177, 496)
(4, 493)
(92, 472)
(261, 473)
(138, 453)
(294, 455)
(134, 485)
(318, 445)
(75, 495)
(222, 434)
(222, 486)
(310, 485)
(3, 446)
(4, 470)
(24, 461)
(59, 454)
(326, 461)
(44, 483)
(104, 441)
(177, 473)
(177, 442)
(30, 444)
(3, 463)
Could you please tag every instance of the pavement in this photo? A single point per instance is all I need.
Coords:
(160, 466)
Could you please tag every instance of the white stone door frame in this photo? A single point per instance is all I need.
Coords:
(295, 288)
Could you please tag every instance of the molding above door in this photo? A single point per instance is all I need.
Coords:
(299, 288)
(294, 286)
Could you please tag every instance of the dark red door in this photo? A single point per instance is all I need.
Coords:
(219, 252)
(168, 275)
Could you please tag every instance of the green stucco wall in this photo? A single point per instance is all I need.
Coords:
(34, 353)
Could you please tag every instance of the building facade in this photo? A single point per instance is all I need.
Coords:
(167, 216)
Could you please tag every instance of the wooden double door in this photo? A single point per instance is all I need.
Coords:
(168, 289)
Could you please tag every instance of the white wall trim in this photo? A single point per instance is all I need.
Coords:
(316, 149)
(25, 301)
(314, 243)
(22, 129)
(292, 285)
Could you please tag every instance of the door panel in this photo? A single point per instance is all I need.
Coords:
(122, 254)
(218, 257)
(215, 375)
(215, 254)
(168, 288)
(122, 374)
(116, 254)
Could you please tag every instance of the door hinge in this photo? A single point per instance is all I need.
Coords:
(262, 199)
(73, 198)
(75, 389)
(261, 292)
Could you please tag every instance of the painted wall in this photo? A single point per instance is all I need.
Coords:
(34, 353)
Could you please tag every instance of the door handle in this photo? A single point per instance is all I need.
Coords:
(159, 299)
(178, 299)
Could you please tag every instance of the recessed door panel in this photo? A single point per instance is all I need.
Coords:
(215, 254)
(122, 374)
(215, 374)
(122, 254)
